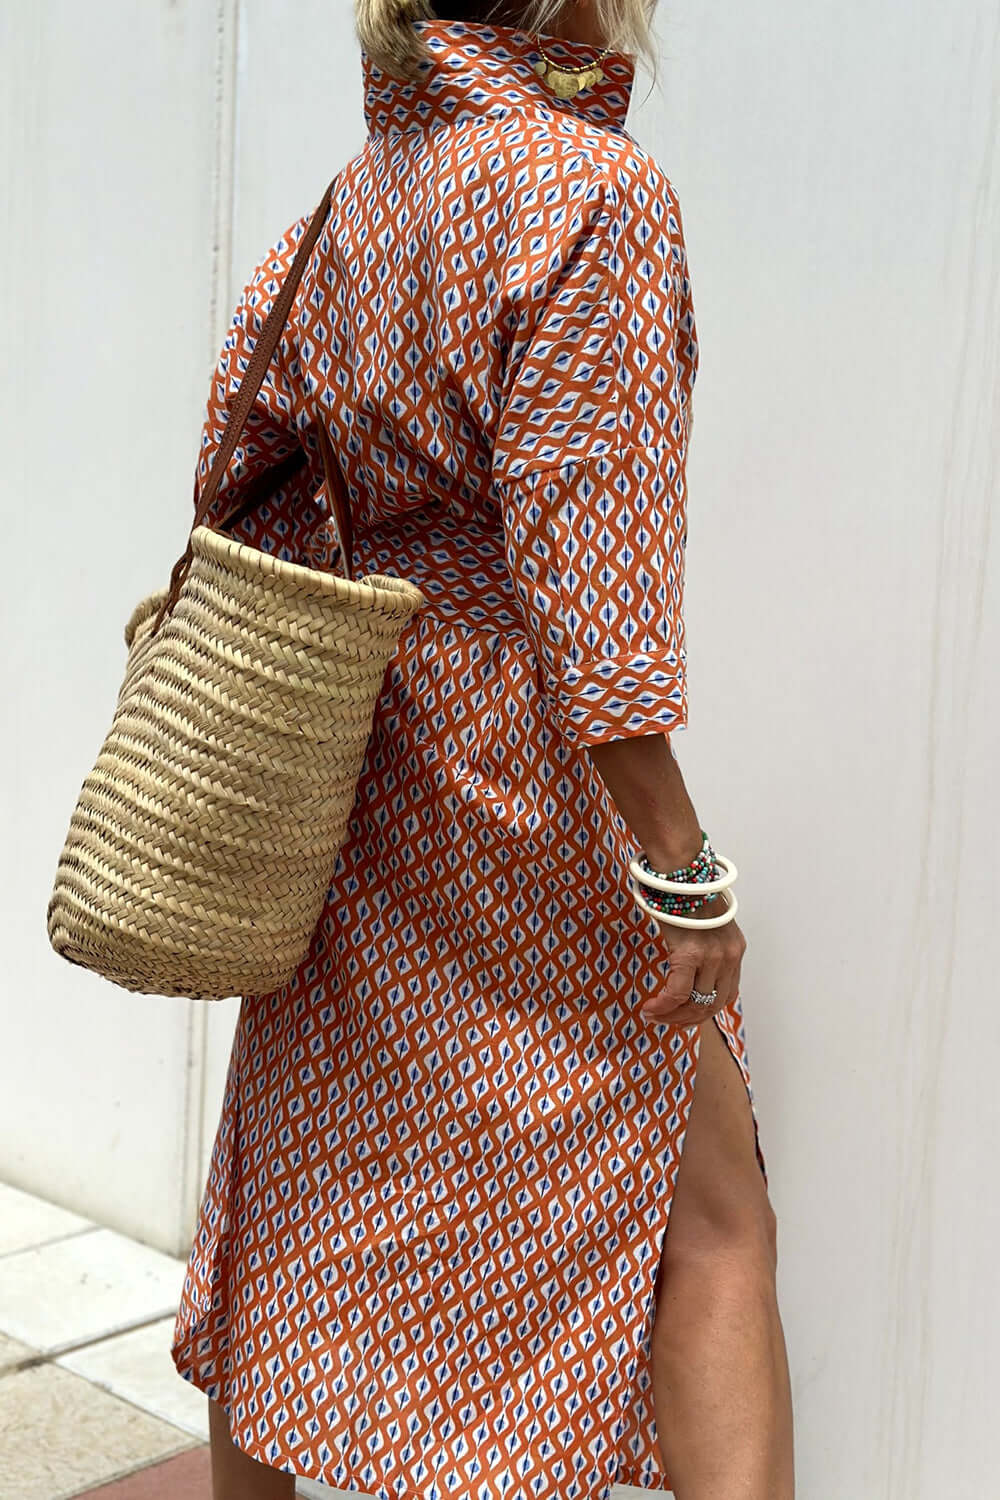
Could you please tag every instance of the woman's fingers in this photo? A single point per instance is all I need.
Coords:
(706, 962)
(709, 977)
(693, 1015)
(685, 960)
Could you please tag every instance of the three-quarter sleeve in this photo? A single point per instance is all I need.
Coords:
(292, 521)
(591, 445)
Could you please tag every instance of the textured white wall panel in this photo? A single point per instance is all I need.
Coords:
(108, 252)
(838, 172)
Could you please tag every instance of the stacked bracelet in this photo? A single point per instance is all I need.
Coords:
(703, 860)
(670, 896)
(700, 870)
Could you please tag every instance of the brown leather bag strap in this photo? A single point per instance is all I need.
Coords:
(339, 498)
(260, 489)
(246, 395)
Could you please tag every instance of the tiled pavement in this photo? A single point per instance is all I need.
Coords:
(90, 1402)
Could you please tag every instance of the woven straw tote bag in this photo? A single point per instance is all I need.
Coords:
(200, 852)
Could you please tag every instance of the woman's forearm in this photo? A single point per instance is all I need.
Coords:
(647, 787)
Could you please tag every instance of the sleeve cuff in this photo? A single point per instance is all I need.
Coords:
(611, 698)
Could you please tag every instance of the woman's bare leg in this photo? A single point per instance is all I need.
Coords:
(237, 1476)
(720, 1373)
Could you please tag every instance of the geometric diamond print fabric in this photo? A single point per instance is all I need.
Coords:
(426, 1252)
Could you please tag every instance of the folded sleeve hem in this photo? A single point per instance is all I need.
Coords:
(614, 698)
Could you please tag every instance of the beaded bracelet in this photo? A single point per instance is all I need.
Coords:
(669, 896)
(700, 870)
(673, 920)
(704, 857)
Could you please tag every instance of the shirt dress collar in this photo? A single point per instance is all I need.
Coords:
(478, 69)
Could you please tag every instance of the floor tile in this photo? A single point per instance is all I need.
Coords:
(137, 1366)
(13, 1354)
(61, 1435)
(188, 1476)
(26, 1220)
(74, 1290)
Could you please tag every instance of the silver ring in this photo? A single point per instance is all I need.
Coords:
(704, 997)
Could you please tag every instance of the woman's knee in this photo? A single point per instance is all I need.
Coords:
(723, 1231)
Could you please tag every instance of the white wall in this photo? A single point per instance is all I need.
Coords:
(837, 167)
(108, 273)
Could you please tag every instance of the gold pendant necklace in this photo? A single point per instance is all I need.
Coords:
(567, 82)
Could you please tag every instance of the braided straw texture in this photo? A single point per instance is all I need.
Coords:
(202, 845)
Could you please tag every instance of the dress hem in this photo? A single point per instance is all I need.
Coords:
(628, 1473)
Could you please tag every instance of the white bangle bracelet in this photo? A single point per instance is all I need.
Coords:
(685, 887)
(672, 919)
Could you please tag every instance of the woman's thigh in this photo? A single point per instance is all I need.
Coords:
(720, 1201)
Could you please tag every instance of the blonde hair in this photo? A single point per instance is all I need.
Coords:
(385, 31)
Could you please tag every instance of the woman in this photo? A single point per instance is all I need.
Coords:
(433, 1255)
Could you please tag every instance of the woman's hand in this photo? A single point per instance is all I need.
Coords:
(702, 961)
(646, 785)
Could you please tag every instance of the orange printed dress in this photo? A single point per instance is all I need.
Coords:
(425, 1259)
